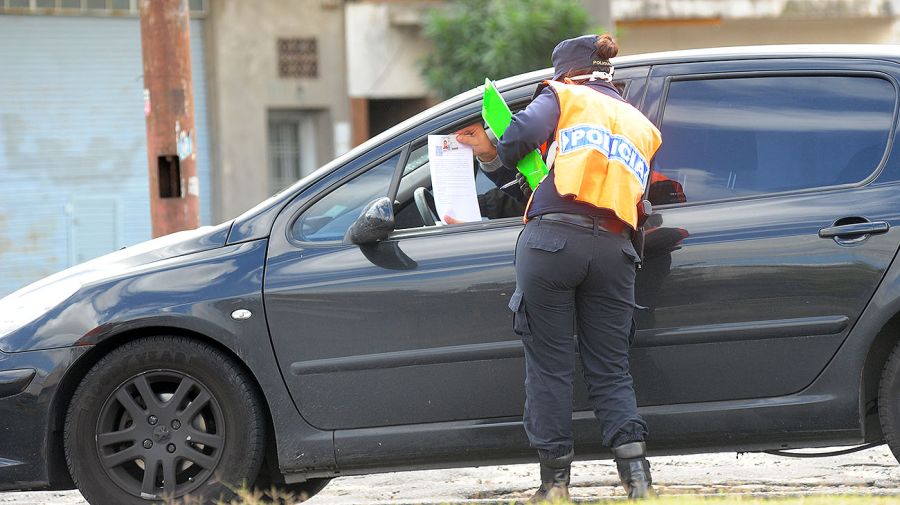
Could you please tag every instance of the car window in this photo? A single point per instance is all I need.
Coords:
(330, 217)
(734, 137)
(493, 203)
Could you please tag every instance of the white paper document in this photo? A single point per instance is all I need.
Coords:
(453, 178)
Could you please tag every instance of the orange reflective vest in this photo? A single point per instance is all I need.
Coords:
(603, 150)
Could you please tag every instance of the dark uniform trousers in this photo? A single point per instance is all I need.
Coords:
(571, 280)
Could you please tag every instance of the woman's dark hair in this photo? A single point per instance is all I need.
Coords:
(606, 48)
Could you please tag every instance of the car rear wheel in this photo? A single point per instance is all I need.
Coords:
(162, 418)
(889, 401)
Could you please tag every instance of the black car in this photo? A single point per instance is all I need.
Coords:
(309, 339)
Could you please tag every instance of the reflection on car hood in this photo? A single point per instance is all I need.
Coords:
(169, 246)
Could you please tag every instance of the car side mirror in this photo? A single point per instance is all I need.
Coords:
(374, 224)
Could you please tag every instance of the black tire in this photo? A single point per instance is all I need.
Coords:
(889, 401)
(169, 401)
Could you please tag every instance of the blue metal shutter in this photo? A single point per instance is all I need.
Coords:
(72, 126)
(94, 227)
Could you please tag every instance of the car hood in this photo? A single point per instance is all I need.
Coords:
(35, 300)
(166, 247)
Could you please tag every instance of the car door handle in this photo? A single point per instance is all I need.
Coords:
(854, 229)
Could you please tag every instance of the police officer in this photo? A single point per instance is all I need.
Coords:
(575, 263)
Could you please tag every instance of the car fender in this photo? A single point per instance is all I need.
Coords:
(852, 374)
(195, 295)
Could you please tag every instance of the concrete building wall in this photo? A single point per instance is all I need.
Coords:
(246, 86)
(682, 9)
(386, 46)
(666, 35)
(385, 49)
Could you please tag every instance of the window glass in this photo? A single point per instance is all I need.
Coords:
(622, 86)
(725, 138)
(294, 145)
(492, 202)
(330, 217)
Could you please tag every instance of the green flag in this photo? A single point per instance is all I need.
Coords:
(497, 115)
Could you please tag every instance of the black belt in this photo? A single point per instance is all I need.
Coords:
(607, 224)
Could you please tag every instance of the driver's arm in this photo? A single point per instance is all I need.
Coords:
(503, 177)
(497, 204)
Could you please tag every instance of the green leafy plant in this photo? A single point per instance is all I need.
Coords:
(474, 39)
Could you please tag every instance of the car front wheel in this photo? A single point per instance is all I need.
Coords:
(162, 418)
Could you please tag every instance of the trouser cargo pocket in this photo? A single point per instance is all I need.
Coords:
(520, 320)
(546, 240)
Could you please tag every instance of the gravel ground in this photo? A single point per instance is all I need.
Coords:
(874, 471)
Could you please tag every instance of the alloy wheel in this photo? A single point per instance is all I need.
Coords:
(160, 434)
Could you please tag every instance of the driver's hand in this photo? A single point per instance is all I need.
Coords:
(475, 137)
(523, 185)
(452, 220)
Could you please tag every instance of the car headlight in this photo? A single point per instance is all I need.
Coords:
(33, 301)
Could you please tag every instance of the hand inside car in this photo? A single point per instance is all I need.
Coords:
(475, 137)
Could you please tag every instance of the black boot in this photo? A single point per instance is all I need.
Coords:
(555, 474)
(634, 469)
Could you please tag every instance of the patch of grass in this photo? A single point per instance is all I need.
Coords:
(257, 497)
(248, 496)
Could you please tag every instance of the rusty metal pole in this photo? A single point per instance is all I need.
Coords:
(169, 108)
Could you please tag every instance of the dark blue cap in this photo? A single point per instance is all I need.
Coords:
(577, 53)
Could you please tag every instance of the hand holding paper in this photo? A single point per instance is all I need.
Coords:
(475, 137)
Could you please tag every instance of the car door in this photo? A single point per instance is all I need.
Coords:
(775, 195)
(414, 329)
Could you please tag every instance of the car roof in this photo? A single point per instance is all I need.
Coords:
(766, 51)
(876, 51)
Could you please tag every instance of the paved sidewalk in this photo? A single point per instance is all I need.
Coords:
(874, 471)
